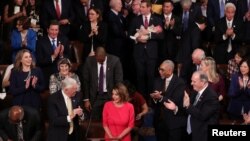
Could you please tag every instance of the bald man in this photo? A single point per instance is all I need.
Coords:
(94, 98)
(20, 123)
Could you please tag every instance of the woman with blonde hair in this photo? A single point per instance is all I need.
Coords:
(26, 81)
(118, 115)
(208, 66)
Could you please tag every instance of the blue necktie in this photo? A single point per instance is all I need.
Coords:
(54, 44)
(101, 80)
(222, 8)
(189, 130)
(185, 21)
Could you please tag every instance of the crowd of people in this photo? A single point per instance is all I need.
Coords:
(117, 80)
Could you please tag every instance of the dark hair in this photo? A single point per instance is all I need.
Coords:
(169, 1)
(131, 88)
(98, 11)
(54, 22)
(122, 91)
(242, 51)
(24, 21)
(149, 4)
(247, 60)
(64, 61)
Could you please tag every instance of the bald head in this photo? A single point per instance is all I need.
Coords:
(16, 114)
(100, 54)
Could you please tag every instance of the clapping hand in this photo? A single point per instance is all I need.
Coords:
(186, 100)
(34, 81)
(170, 105)
(78, 111)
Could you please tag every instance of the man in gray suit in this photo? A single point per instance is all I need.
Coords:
(100, 73)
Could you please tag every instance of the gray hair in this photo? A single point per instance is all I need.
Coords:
(202, 76)
(68, 82)
(112, 3)
(169, 63)
(229, 4)
(199, 53)
(186, 2)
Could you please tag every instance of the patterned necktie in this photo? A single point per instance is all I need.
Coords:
(70, 112)
(146, 22)
(20, 131)
(222, 6)
(54, 44)
(101, 80)
(58, 11)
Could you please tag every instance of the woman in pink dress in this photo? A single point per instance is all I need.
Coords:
(118, 115)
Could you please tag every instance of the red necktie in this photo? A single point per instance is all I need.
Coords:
(58, 12)
(146, 22)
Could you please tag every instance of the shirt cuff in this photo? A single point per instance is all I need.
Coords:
(68, 118)
(224, 37)
(176, 110)
(233, 37)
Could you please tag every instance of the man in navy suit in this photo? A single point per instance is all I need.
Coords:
(202, 107)
(64, 112)
(146, 50)
(49, 49)
(169, 124)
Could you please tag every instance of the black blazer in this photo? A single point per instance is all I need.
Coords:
(174, 92)
(220, 50)
(98, 40)
(48, 13)
(204, 113)
(57, 111)
(31, 125)
(152, 44)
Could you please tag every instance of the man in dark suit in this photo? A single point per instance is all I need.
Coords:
(169, 124)
(215, 11)
(60, 10)
(202, 107)
(49, 49)
(146, 50)
(98, 86)
(64, 112)
(172, 29)
(20, 123)
(228, 35)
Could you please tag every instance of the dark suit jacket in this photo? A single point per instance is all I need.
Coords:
(57, 112)
(116, 34)
(213, 11)
(114, 74)
(152, 44)
(44, 50)
(204, 113)
(98, 40)
(169, 47)
(220, 51)
(31, 125)
(174, 92)
(48, 13)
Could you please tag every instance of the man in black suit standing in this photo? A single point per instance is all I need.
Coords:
(169, 124)
(228, 35)
(202, 107)
(60, 10)
(64, 112)
(50, 49)
(20, 124)
(146, 50)
(100, 73)
(172, 29)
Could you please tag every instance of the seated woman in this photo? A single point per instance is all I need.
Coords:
(64, 67)
(23, 37)
(118, 115)
(26, 81)
(239, 91)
